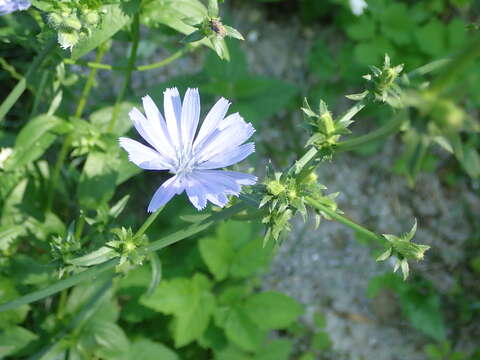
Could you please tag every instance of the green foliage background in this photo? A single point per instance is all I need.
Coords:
(202, 298)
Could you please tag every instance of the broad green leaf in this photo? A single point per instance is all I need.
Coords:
(272, 310)
(106, 339)
(251, 258)
(431, 38)
(424, 313)
(145, 349)
(217, 253)
(189, 301)
(101, 119)
(34, 139)
(13, 339)
(96, 257)
(7, 293)
(241, 330)
(172, 13)
(114, 18)
(396, 24)
(8, 233)
(97, 182)
(362, 29)
(276, 350)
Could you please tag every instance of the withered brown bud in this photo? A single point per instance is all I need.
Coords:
(218, 28)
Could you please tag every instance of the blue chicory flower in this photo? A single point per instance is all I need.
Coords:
(8, 6)
(194, 158)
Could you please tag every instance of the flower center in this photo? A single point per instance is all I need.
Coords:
(185, 162)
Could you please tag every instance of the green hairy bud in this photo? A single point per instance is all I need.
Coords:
(67, 40)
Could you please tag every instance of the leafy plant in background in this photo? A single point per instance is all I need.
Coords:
(66, 231)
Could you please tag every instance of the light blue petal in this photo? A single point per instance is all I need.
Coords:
(196, 192)
(190, 117)
(213, 118)
(229, 157)
(164, 193)
(231, 132)
(143, 156)
(172, 107)
(157, 128)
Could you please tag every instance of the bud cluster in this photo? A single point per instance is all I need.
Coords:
(403, 249)
(285, 195)
(211, 28)
(126, 246)
(326, 131)
(72, 23)
(382, 84)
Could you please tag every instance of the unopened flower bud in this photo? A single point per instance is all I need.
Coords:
(67, 40)
(275, 188)
(91, 17)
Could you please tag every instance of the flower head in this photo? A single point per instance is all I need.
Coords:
(194, 157)
(4, 155)
(9, 6)
(358, 6)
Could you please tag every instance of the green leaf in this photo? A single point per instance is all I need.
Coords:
(197, 35)
(14, 339)
(362, 29)
(114, 18)
(272, 310)
(241, 330)
(106, 338)
(397, 24)
(172, 13)
(250, 258)
(97, 182)
(34, 139)
(424, 313)
(96, 257)
(431, 38)
(234, 33)
(145, 349)
(7, 293)
(276, 350)
(8, 233)
(101, 119)
(191, 303)
(217, 253)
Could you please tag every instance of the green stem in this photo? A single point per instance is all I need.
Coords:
(61, 303)
(22, 84)
(428, 68)
(147, 223)
(39, 93)
(382, 132)
(159, 64)
(95, 271)
(128, 72)
(456, 66)
(56, 170)
(69, 139)
(89, 84)
(342, 219)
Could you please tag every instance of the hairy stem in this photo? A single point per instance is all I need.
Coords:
(69, 139)
(18, 90)
(159, 64)
(89, 84)
(128, 72)
(342, 219)
(382, 132)
(457, 66)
